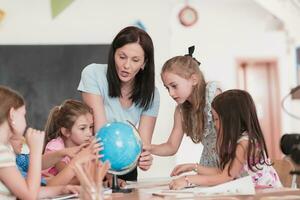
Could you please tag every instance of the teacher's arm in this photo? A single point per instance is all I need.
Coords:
(96, 103)
(146, 128)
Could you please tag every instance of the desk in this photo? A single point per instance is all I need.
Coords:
(266, 194)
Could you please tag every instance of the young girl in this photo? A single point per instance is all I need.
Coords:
(68, 130)
(12, 124)
(186, 85)
(240, 145)
(22, 161)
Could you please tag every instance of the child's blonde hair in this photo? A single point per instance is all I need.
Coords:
(193, 115)
(9, 98)
(65, 116)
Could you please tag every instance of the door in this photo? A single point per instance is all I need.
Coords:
(260, 79)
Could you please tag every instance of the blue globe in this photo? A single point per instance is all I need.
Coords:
(122, 146)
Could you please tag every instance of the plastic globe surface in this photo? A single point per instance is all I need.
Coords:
(122, 146)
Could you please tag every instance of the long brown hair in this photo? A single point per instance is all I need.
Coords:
(9, 98)
(237, 114)
(65, 116)
(193, 115)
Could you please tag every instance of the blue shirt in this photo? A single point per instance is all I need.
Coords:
(94, 81)
(22, 161)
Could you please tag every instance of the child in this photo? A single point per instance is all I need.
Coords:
(22, 161)
(240, 145)
(186, 85)
(13, 124)
(68, 130)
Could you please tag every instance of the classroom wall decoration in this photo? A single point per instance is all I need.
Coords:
(188, 16)
(46, 75)
(2, 15)
(140, 24)
(57, 6)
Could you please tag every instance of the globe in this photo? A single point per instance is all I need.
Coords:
(122, 146)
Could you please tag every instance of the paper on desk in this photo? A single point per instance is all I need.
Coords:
(241, 186)
(149, 182)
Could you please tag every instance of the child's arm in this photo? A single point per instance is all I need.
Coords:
(171, 146)
(64, 177)
(218, 178)
(199, 169)
(19, 187)
(11, 176)
(146, 127)
(52, 191)
(49, 159)
(67, 174)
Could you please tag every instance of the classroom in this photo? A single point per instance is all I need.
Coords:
(244, 45)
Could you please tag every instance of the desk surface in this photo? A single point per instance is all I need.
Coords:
(267, 194)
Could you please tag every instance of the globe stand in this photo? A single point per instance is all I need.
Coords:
(115, 186)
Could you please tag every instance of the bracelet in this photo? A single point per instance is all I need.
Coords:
(195, 169)
(188, 183)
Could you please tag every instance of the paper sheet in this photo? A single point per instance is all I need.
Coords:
(241, 186)
(149, 182)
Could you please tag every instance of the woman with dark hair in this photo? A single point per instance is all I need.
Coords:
(124, 89)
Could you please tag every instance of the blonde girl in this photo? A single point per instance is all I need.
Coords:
(13, 124)
(187, 86)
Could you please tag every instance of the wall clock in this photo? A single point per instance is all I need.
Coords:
(188, 16)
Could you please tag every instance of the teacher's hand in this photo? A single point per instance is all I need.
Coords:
(145, 160)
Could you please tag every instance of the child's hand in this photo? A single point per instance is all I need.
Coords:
(89, 153)
(179, 169)
(95, 146)
(145, 159)
(73, 151)
(103, 169)
(35, 140)
(75, 189)
(178, 183)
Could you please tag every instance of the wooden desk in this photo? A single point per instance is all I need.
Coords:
(266, 194)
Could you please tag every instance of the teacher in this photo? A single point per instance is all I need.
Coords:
(124, 88)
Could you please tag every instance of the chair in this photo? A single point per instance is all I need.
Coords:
(283, 167)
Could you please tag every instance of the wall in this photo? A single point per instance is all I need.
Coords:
(93, 22)
(226, 30)
(231, 29)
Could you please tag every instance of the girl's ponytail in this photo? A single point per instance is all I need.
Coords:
(52, 128)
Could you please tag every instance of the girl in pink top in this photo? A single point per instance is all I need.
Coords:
(68, 131)
(240, 145)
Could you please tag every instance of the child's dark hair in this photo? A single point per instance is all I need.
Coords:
(237, 114)
(65, 116)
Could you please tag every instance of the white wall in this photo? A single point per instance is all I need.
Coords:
(226, 30)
